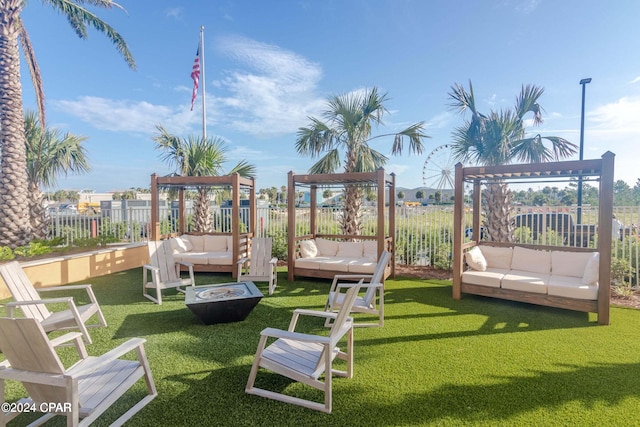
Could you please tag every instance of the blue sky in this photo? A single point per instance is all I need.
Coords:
(272, 64)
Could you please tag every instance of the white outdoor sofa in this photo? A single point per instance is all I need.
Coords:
(206, 252)
(558, 278)
(324, 258)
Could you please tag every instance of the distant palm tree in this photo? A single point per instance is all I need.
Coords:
(195, 156)
(49, 155)
(15, 227)
(349, 121)
(500, 138)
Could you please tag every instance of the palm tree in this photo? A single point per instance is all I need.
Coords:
(15, 227)
(349, 121)
(197, 156)
(500, 138)
(49, 155)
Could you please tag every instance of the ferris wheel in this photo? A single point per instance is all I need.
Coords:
(439, 168)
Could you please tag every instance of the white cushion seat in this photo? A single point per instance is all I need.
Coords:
(192, 257)
(491, 277)
(571, 287)
(310, 263)
(525, 281)
(363, 266)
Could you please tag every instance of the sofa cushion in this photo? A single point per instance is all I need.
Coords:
(197, 242)
(571, 264)
(219, 258)
(336, 264)
(527, 281)
(363, 266)
(571, 287)
(192, 257)
(187, 243)
(215, 243)
(592, 270)
(178, 245)
(310, 263)
(370, 250)
(497, 257)
(490, 277)
(475, 259)
(326, 247)
(230, 244)
(531, 260)
(308, 249)
(349, 250)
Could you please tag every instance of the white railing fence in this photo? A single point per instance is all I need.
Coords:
(423, 234)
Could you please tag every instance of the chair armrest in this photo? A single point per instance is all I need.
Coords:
(72, 336)
(150, 267)
(314, 313)
(297, 336)
(63, 288)
(111, 355)
(185, 263)
(40, 301)
(273, 260)
(242, 260)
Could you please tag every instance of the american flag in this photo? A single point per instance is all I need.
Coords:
(195, 75)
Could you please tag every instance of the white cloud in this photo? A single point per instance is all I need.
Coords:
(634, 81)
(126, 116)
(275, 93)
(620, 117)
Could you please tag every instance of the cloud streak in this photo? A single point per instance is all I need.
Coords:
(274, 91)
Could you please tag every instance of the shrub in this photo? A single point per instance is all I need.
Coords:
(6, 253)
(32, 249)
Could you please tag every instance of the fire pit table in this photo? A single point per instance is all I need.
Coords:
(224, 303)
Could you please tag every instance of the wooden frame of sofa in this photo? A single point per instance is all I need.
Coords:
(386, 240)
(601, 169)
(181, 183)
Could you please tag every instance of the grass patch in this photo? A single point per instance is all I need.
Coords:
(437, 361)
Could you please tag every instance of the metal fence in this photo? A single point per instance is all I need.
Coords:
(423, 233)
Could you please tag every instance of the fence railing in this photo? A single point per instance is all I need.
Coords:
(423, 234)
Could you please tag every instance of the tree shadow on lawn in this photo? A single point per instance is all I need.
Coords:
(219, 395)
(424, 301)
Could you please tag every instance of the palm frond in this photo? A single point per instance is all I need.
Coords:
(329, 163)
(79, 17)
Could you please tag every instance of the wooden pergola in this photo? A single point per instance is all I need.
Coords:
(600, 170)
(235, 183)
(379, 180)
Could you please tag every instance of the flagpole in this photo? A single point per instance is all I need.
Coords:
(203, 80)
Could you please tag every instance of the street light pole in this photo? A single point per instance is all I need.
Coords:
(583, 82)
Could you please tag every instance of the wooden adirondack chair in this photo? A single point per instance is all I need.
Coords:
(303, 357)
(83, 391)
(261, 267)
(374, 290)
(28, 299)
(165, 271)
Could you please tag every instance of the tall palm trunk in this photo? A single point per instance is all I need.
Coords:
(498, 213)
(351, 217)
(37, 213)
(202, 212)
(14, 212)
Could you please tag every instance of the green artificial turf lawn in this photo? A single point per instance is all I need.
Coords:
(436, 361)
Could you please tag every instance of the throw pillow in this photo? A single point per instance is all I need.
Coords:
(475, 259)
(327, 247)
(308, 249)
(592, 270)
(187, 244)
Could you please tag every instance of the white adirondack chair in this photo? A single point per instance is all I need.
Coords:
(83, 391)
(303, 357)
(371, 302)
(261, 266)
(28, 299)
(165, 271)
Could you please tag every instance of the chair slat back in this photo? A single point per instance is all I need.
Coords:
(22, 290)
(377, 277)
(26, 347)
(260, 256)
(338, 327)
(161, 256)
